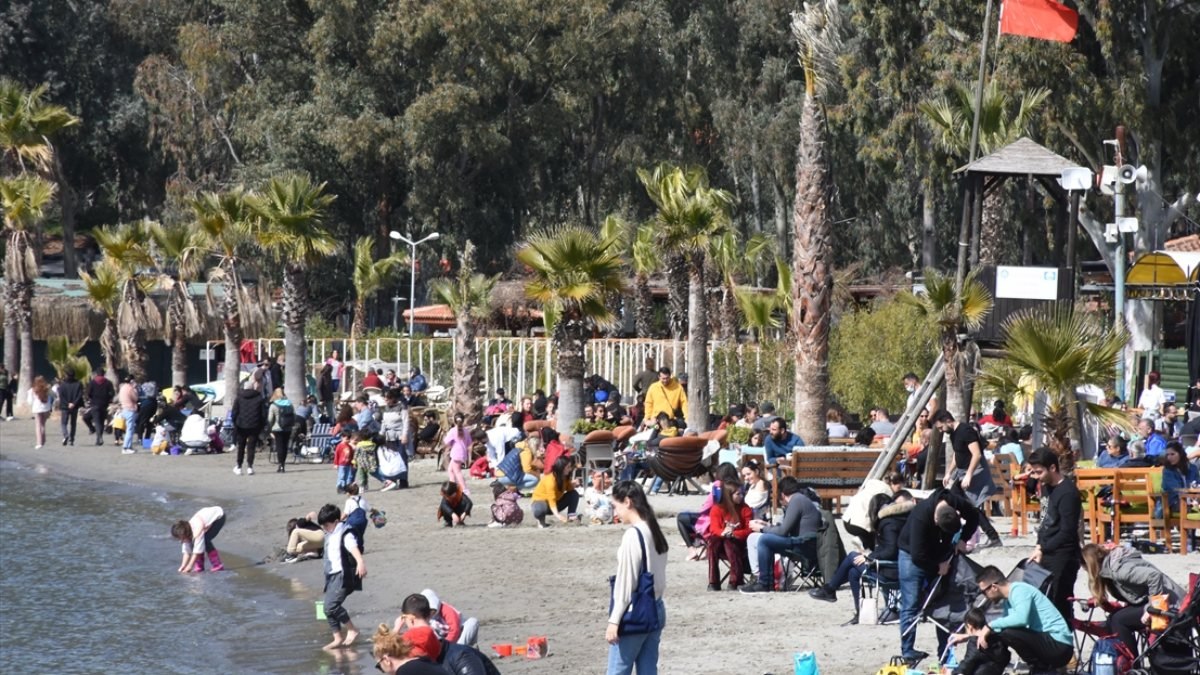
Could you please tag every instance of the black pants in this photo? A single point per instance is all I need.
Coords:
(281, 439)
(1127, 623)
(247, 443)
(1063, 569)
(99, 417)
(211, 533)
(686, 522)
(6, 401)
(448, 512)
(985, 523)
(1039, 650)
(145, 417)
(68, 419)
(568, 503)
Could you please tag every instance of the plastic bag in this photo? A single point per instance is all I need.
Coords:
(806, 664)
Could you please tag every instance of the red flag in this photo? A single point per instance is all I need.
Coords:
(1042, 19)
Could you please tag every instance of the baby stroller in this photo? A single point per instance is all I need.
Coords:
(1175, 650)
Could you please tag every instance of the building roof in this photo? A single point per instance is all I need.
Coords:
(1190, 243)
(1022, 157)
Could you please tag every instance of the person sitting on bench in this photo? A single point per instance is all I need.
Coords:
(798, 529)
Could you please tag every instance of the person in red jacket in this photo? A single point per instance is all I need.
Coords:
(728, 526)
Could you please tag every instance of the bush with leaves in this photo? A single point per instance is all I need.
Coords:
(872, 349)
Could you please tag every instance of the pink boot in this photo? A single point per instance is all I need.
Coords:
(215, 559)
(198, 566)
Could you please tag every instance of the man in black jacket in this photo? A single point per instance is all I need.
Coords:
(927, 543)
(1057, 549)
(70, 400)
(100, 393)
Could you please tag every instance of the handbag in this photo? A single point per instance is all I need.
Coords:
(642, 614)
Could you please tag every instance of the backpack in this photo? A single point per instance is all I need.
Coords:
(286, 417)
(356, 521)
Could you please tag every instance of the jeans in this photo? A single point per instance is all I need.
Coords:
(345, 475)
(632, 470)
(130, 417)
(528, 481)
(335, 613)
(849, 571)
(766, 547)
(913, 581)
(637, 651)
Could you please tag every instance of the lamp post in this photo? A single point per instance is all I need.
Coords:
(412, 293)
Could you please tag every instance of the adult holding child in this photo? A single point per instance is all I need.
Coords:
(635, 619)
(666, 395)
(1031, 625)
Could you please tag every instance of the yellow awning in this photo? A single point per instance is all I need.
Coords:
(1164, 268)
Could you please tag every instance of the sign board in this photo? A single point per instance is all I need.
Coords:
(207, 354)
(1027, 283)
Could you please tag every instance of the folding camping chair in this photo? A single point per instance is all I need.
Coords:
(319, 444)
(800, 566)
(881, 580)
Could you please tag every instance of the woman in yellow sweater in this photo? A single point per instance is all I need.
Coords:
(555, 492)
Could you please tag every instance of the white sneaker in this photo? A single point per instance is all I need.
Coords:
(128, 451)
(37, 447)
(249, 471)
(8, 419)
(494, 524)
(237, 470)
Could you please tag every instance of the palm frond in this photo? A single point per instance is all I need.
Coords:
(818, 31)
(758, 310)
(24, 200)
(27, 122)
(291, 210)
(370, 274)
(574, 271)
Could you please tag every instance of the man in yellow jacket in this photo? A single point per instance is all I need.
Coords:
(667, 395)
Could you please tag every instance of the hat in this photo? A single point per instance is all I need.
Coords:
(424, 642)
(736, 411)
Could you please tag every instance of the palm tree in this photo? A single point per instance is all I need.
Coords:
(468, 295)
(758, 312)
(23, 200)
(690, 216)
(819, 38)
(181, 256)
(951, 119)
(1056, 351)
(65, 357)
(291, 210)
(953, 312)
(646, 262)
(370, 275)
(224, 224)
(103, 288)
(125, 247)
(574, 270)
(732, 259)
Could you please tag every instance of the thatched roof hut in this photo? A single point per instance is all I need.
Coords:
(60, 307)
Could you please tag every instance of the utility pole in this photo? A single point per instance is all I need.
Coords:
(1119, 267)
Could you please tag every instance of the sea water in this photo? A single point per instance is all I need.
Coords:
(88, 584)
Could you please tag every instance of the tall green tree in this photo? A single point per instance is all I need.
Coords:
(103, 291)
(573, 272)
(370, 275)
(292, 211)
(468, 294)
(818, 33)
(23, 200)
(647, 261)
(126, 248)
(691, 215)
(225, 223)
(180, 253)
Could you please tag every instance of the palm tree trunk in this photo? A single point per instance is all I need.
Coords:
(179, 358)
(295, 314)
(813, 279)
(570, 339)
(233, 338)
(956, 401)
(644, 316)
(110, 347)
(359, 327)
(993, 239)
(677, 296)
(697, 354)
(26, 366)
(12, 335)
(466, 370)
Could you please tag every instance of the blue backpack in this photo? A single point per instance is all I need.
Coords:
(356, 522)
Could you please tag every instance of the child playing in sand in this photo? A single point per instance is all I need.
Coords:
(991, 660)
(365, 461)
(506, 512)
(344, 571)
(197, 535)
(455, 506)
(343, 460)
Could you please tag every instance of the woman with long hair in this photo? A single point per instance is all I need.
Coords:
(1126, 576)
(41, 403)
(555, 493)
(643, 548)
(728, 528)
(757, 489)
(1177, 474)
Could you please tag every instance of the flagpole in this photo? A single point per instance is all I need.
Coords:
(964, 232)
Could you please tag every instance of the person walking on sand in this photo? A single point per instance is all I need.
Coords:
(70, 400)
(127, 399)
(197, 535)
(643, 550)
(6, 395)
(249, 416)
(99, 395)
(41, 403)
(344, 571)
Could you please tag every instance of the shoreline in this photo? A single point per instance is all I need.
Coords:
(519, 582)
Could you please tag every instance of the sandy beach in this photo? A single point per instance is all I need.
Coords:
(518, 582)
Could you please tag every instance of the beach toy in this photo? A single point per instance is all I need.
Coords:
(503, 650)
(320, 610)
(520, 650)
(536, 648)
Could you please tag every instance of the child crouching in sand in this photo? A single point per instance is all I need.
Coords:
(506, 512)
(455, 506)
(344, 571)
(197, 536)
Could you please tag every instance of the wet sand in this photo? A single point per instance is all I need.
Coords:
(518, 582)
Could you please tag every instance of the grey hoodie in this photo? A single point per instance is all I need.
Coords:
(1133, 579)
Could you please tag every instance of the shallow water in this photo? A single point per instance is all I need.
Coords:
(88, 583)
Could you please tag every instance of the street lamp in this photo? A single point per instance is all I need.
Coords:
(412, 292)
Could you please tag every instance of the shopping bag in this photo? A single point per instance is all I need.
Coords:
(868, 610)
(806, 664)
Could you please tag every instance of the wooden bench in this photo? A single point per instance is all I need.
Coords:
(1133, 494)
(834, 473)
(1090, 481)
